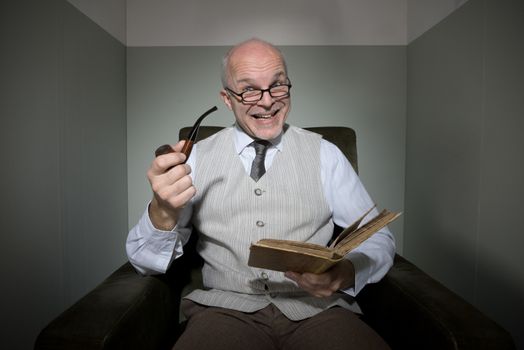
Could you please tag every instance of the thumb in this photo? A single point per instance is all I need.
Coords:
(292, 275)
(179, 145)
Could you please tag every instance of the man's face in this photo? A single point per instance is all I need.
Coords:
(257, 66)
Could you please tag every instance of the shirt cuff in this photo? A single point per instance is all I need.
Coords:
(361, 265)
(164, 246)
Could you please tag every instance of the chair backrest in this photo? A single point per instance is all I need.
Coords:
(343, 137)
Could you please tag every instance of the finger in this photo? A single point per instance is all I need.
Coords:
(298, 279)
(314, 280)
(174, 174)
(171, 183)
(179, 145)
(165, 162)
(176, 194)
(173, 189)
(292, 275)
(186, 195)
(324, 282)
(179, 199)
(317, 285)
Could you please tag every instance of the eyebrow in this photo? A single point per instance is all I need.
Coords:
(250, 81)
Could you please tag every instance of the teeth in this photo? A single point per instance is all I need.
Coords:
(265, 116)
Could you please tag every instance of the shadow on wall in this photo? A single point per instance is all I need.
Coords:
(480, 278)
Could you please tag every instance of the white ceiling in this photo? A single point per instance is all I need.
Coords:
(289, 22)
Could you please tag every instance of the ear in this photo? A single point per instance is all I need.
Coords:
(226, 98)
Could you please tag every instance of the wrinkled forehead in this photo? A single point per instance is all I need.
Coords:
(253, 60)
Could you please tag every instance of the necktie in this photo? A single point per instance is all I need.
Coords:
(257, 167)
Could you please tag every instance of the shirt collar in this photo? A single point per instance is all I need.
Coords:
(242, 140)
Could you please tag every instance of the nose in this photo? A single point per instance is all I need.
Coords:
(266, 99)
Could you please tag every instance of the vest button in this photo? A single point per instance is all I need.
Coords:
(264, 276)
(260, 223)
(258, 191)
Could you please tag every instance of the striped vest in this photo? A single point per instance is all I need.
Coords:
(231, 211)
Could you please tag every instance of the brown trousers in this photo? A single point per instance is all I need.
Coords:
(219, 328)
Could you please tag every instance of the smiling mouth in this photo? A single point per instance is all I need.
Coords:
(265, 116)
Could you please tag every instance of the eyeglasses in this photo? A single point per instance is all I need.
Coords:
(253, 96)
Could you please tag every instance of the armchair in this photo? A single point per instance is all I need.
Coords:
(408, 308)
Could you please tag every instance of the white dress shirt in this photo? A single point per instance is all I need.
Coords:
(151, 251)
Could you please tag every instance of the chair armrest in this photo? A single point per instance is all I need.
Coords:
(126, 311)
(411, 310)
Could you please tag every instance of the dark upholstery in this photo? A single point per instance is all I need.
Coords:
(408, 308)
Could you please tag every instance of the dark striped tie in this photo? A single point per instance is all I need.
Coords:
(257, 167)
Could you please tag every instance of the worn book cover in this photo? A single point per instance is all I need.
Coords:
(286, 255)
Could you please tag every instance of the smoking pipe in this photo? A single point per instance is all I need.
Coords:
(188, 144)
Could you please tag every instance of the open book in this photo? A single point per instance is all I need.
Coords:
(286, 255)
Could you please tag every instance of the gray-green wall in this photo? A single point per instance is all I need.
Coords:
(63, 162)
(442, 115)
(465, 169)
(363, 87)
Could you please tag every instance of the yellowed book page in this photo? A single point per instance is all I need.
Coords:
(355, 239)
(351, 228)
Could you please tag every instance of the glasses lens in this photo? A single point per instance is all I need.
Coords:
(279, 91)
(252, 96)
(256, 95)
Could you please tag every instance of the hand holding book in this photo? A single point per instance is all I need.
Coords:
(286, 255)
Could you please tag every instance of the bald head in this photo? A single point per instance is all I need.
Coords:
(250, 49)
(256, 67)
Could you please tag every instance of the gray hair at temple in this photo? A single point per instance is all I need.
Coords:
(225, 59)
